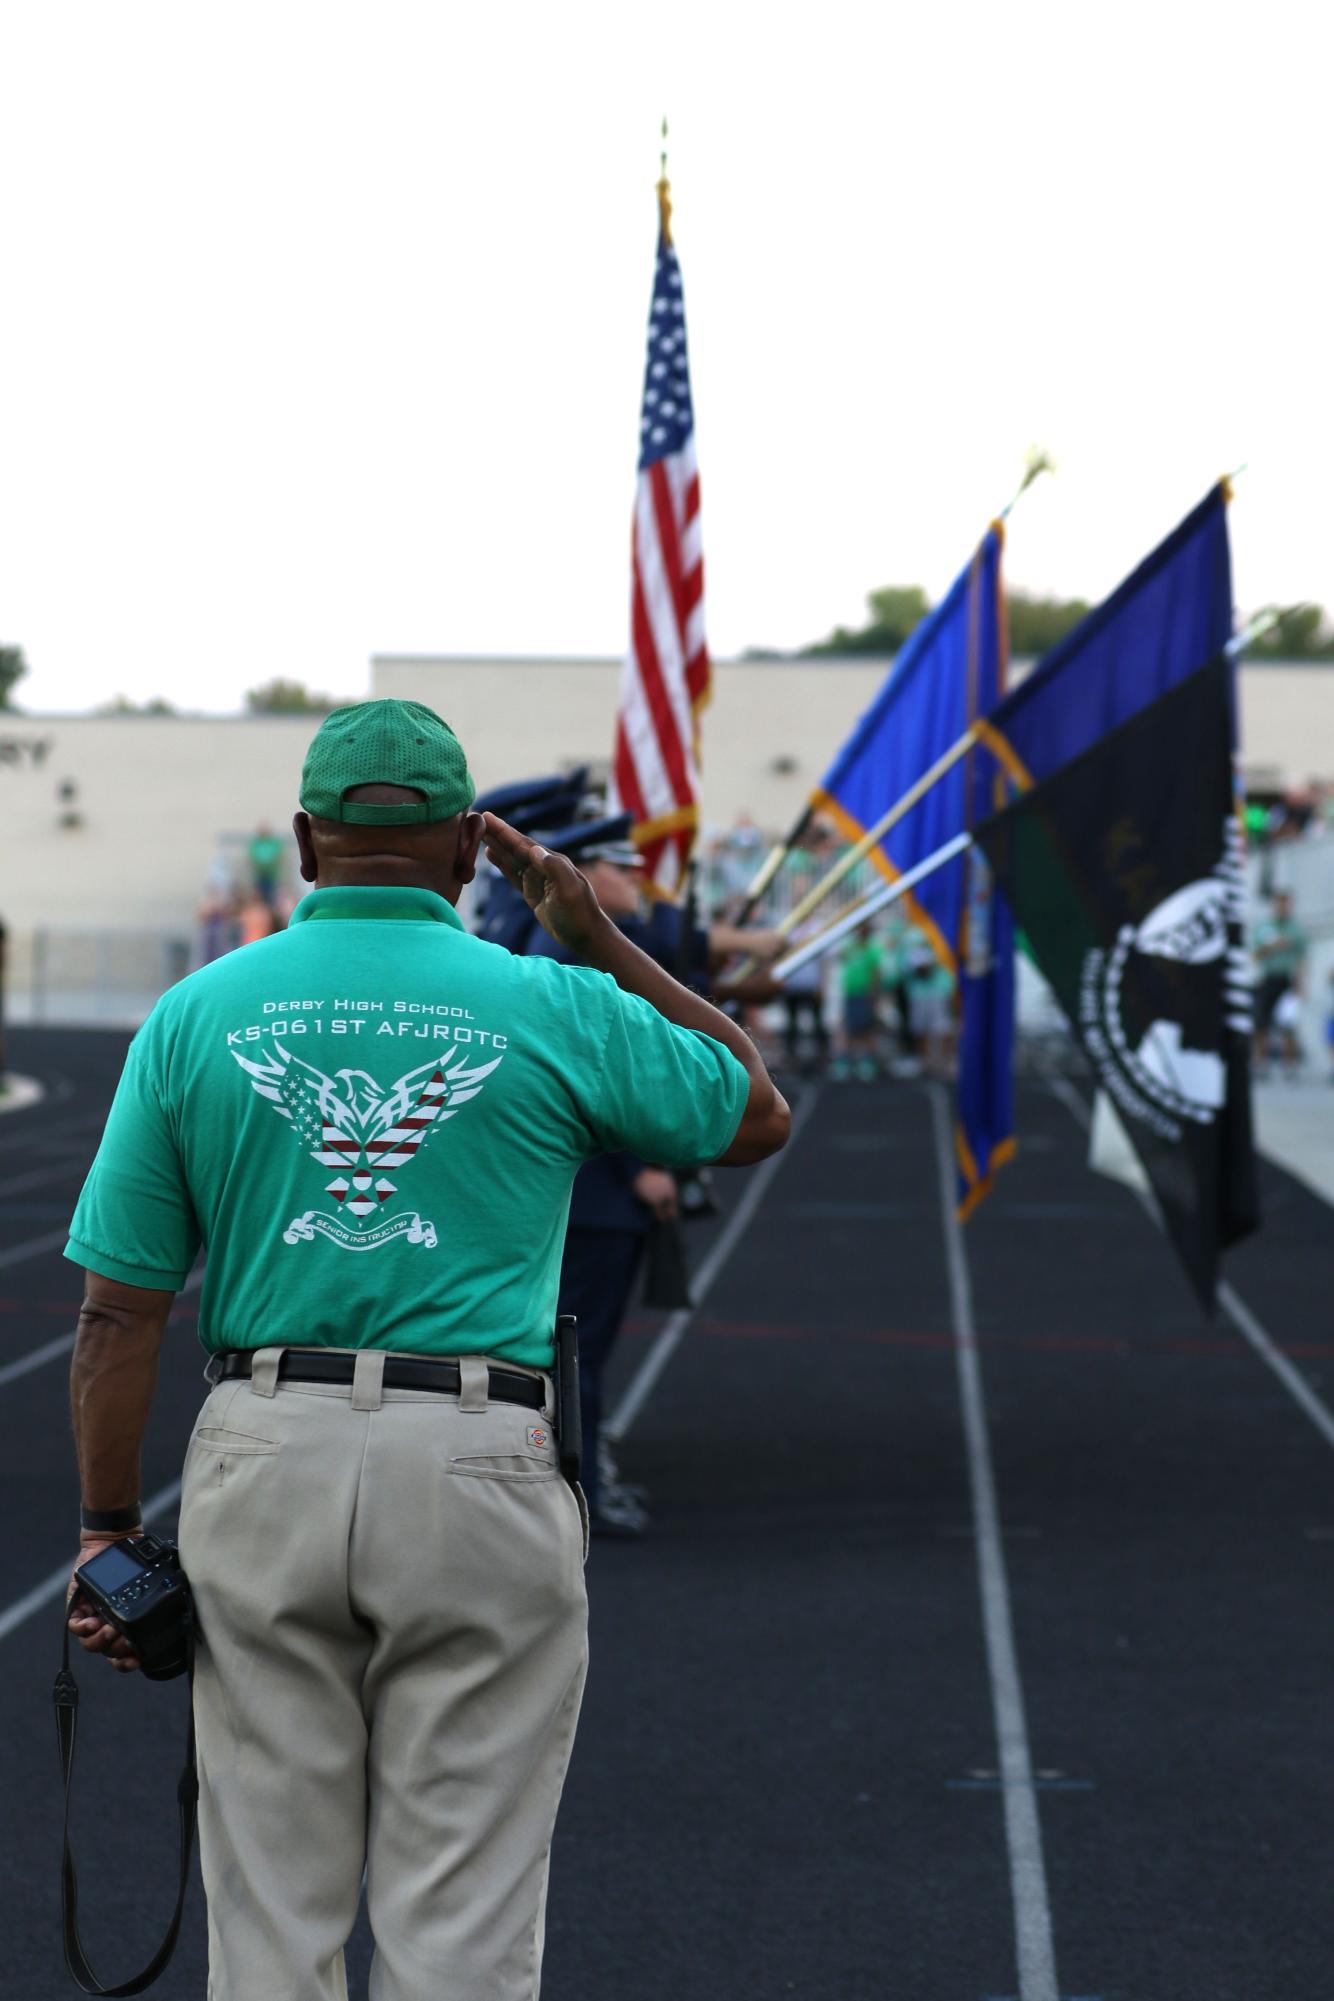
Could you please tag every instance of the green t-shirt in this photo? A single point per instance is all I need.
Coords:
(1280, 945)
(861, 968)
(371, 1122)
(266, 852)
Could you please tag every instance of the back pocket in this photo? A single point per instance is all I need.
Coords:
(520, 1450)
(217, 1438)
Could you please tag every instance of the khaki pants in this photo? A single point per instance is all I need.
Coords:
(393, 1646)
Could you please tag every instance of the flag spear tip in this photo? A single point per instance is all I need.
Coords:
(1037, 460)
(664, 189)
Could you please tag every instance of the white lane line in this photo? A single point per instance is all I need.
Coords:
(1235, 1307)
(34, 1248)
(18, 1184)
(1035, 1949)
(37, 1135)
(660, 1354)
(51, 1351)
(1293, 1381)
(51, 1587)
(36, 1358)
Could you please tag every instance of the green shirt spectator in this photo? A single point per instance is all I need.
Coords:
(861, 968)
(1279, 944)
(266, 853)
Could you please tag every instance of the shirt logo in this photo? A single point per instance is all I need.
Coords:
(352, 1123)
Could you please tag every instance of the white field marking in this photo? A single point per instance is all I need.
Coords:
(39, 1176)
(34, 1247)
(1235, 1307)
(36, 1358)
(660, 1354)
(52, 1586)
(61, 1344)
(20, 1093)
(1293, 1381)
(1035, 1950)
(33, 1135)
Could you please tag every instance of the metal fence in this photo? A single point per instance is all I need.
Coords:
(103, 978)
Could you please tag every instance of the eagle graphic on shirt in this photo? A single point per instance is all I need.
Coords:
(352, 1123)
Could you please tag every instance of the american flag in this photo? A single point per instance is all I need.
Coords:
(665, 681)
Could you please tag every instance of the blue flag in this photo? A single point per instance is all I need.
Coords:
(950, 674)
(984, 1113)
(945, 677)
(1166, 620)
(1169, 616)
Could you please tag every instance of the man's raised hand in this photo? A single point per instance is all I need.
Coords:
(560, 898)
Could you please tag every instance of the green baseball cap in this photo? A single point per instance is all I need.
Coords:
(385, 743)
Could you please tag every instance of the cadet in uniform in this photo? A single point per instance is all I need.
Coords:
(618, 1196)
(371, 1122)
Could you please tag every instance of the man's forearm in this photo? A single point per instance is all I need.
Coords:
(112, 1379)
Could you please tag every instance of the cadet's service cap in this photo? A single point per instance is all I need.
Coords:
(606, 840)
(538, 802)
(385, 743)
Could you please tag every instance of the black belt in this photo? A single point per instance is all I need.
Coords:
(401, 1372)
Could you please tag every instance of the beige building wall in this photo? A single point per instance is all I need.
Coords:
(155, 802)
(769, 732)
(1287, 724)
(113, 823)
(774, 725)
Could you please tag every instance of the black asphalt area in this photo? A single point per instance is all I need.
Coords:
(786, 1780)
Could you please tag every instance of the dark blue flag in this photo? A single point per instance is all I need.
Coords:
(1125, 869)
(1169, 616)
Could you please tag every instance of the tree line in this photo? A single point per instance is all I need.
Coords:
(279, 697)
(1039, 623)
(1036, 625)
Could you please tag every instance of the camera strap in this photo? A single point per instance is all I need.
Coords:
(187, 1797)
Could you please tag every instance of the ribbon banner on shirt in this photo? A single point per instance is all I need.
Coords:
(303, 1230)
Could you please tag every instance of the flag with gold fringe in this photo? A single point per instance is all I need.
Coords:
(950, 674)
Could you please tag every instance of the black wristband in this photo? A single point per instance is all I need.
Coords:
(114, 1520)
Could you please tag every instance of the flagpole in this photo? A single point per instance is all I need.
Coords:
(773, 861)
(886, 893)
(1036, 462)
(870, 839)
(1264, 622)
(876, 900)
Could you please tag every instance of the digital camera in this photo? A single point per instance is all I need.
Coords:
(137, 1585)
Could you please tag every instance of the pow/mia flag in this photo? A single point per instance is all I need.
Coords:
(1124, 869)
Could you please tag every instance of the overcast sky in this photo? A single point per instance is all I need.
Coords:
(323, 326)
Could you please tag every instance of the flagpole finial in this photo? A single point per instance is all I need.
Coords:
(664, 190)
(1037, 460)
(1229, 480)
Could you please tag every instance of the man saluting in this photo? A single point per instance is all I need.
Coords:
(371, 1123)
